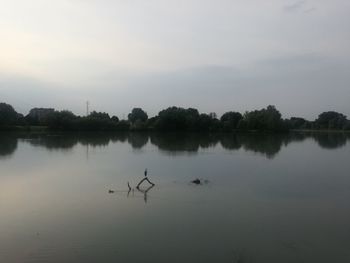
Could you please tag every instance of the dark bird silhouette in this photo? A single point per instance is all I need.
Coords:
(145, 172)
(110, 191)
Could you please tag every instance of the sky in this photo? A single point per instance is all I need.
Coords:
(216, 56)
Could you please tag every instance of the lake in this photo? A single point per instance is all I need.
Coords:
(262, 197)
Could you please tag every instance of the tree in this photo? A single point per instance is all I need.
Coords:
(296, 123)
(230, 120)
(61, 120)
(137, 114)
(123, 125)
(331, 120)
(268, 119)
(8, 116)
(273, 118)
(204, 122)
(347, 126)
(99, 115)
(213, 115)
(177, 118)
(39, 116)
(115, 119)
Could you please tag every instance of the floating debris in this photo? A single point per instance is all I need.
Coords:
(196, 181)
(200, 181)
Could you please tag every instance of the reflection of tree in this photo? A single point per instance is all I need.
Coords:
(175, 142)
(52, 142)
(330, 140)
(138, 139)
(183, 142)
(230, 142)
(267, 144)
(8, 145)
(94, 140)
(66, 141)
(207, 140)
(295, 137)
(69, 140)
(119, 136)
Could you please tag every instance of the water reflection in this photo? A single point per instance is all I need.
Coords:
(230, 142)
(144, 192)
(293, 209)
(173, 143)
(137, 140)
(268, 145)
(331, 140)
(8, 145)
(51, 142)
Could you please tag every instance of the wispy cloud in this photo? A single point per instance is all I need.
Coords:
(309, 10)
(295, 7)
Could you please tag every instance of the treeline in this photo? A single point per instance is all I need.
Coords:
(171, 119)
(329, 120)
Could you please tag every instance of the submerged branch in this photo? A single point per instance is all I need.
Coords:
(144, 179)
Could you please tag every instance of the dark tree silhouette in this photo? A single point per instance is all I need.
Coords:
(8, 116)
(230, 120)
(137, 114)
(170, 119)
(268, 119)
(174, 118)
(331, 120)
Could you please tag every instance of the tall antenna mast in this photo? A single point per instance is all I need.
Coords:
(87, 108)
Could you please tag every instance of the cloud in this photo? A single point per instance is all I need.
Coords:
(299, 6)
(295, 7)
(299, 85)
(25, 92)
(126, 53)
(310, 10)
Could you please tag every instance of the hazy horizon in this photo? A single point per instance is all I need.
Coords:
(216, 57)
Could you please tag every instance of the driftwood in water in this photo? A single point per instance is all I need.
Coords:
(144, 179)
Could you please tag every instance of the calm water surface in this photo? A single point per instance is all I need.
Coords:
(266, 198)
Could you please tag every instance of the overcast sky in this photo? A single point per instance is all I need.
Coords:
(213, 55)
